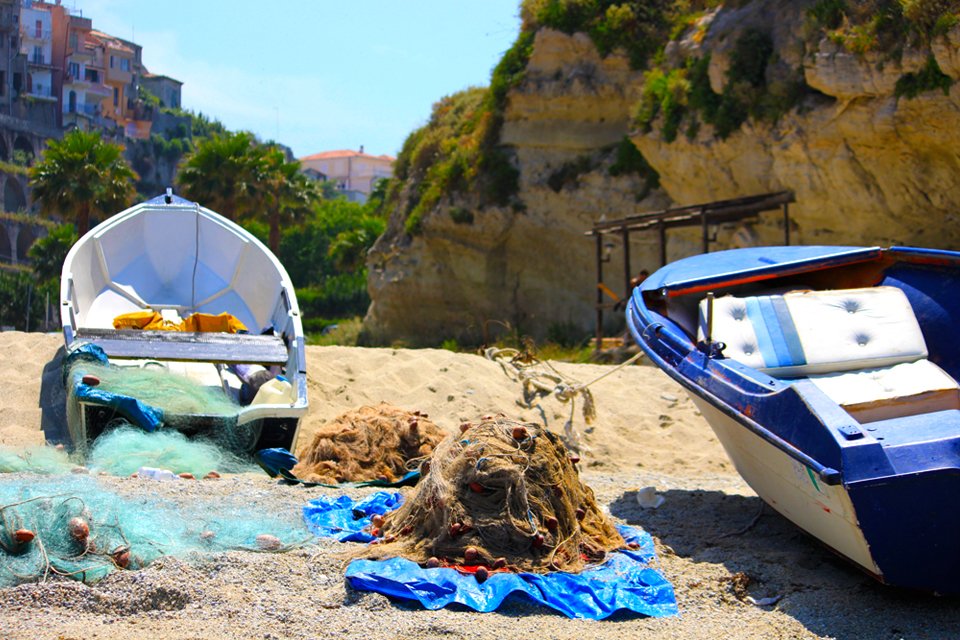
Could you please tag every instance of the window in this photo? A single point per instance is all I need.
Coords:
(74, 41)
(74, 70)
(116, 97)
(111, 62)
(124, 64)
(38, 30)
(92, 75)
(37, 54)
(3, 82)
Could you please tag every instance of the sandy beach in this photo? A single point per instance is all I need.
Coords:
(722, 550)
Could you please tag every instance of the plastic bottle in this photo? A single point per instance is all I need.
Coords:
(276, 391)
(153, 473)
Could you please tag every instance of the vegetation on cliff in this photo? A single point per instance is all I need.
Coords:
(640, 28)
(459, 150)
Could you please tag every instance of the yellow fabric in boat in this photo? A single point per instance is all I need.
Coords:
(203, 322)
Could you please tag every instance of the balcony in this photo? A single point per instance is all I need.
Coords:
(31, 35)
(40, 93)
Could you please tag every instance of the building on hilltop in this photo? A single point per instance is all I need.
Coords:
(13, 64)
(36, 43)
(84, 89)
(167, 89)
(355, 172)
(58, 73)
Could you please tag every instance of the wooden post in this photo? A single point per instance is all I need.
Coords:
(627, 272)
(705, 230)
(786, 224)
(662, 228)
(599, 292)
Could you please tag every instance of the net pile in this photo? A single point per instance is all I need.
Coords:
(121, 451)
(74, 527)
(38, 459)
(156, 386)
(504, 495)
(371, 443)
(151, 397)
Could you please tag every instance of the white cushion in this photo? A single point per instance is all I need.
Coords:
(806, 333)
(909, 388)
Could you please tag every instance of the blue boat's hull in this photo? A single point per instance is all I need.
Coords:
(881, 495)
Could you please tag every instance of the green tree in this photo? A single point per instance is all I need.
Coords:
(81, 176)
(284, 194)
(222, 173)
(49, 252)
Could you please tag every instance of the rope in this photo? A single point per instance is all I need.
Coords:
(537, 383)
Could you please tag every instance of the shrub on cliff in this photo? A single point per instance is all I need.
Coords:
(640, 27)
(459, 150)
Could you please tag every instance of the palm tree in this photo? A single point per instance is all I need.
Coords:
(81, 176)
(285, 194)
(222, 173)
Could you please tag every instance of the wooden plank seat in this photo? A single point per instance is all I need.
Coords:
(188, 346)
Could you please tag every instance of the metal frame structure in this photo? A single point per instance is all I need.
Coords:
(703, 215)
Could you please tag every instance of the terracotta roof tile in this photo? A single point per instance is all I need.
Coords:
(345, 153)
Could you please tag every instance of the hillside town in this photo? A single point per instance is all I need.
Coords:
(59, 73)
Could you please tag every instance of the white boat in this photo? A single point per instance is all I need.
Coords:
(175, 258)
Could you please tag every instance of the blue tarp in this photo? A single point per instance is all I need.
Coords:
(626, 581)
(145, 416)
(344, 519)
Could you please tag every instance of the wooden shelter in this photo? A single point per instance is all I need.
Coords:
(703, 215)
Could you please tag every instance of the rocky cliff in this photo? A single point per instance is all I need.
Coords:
(866, 138)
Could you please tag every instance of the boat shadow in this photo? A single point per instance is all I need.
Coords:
(824, 592)
(53, 401)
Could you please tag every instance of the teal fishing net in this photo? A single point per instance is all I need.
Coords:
(125, 449)
(80, 529)
(40, 459)
(155, 385)
(151, 397)
(122, 451)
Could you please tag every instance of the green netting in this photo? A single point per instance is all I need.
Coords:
(123, 532)
(40, 459)
(123, 450)
(154, 385)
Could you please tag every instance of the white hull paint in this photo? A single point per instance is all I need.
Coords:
(822, 510)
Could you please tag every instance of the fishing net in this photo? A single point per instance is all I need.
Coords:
(158, 387)
(75, 527)
(371, 443)
(121, 451)
(503, 496)
(151, 397)
(40, 459)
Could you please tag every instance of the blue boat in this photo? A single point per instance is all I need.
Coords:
(829, 376)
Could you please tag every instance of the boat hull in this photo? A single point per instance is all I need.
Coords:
(877, 489)
(791, 488)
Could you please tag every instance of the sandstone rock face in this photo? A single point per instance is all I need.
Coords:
(521, 270)
(866, 167)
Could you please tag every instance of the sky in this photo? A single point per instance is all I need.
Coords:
(315, 75)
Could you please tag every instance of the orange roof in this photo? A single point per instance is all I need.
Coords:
(345, 153)
(107, 39)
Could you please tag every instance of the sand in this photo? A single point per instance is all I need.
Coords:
(711, 531)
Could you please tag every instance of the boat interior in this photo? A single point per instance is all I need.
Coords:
(873, 337)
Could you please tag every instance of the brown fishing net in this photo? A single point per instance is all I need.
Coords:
(371, 443)
(502, 495)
